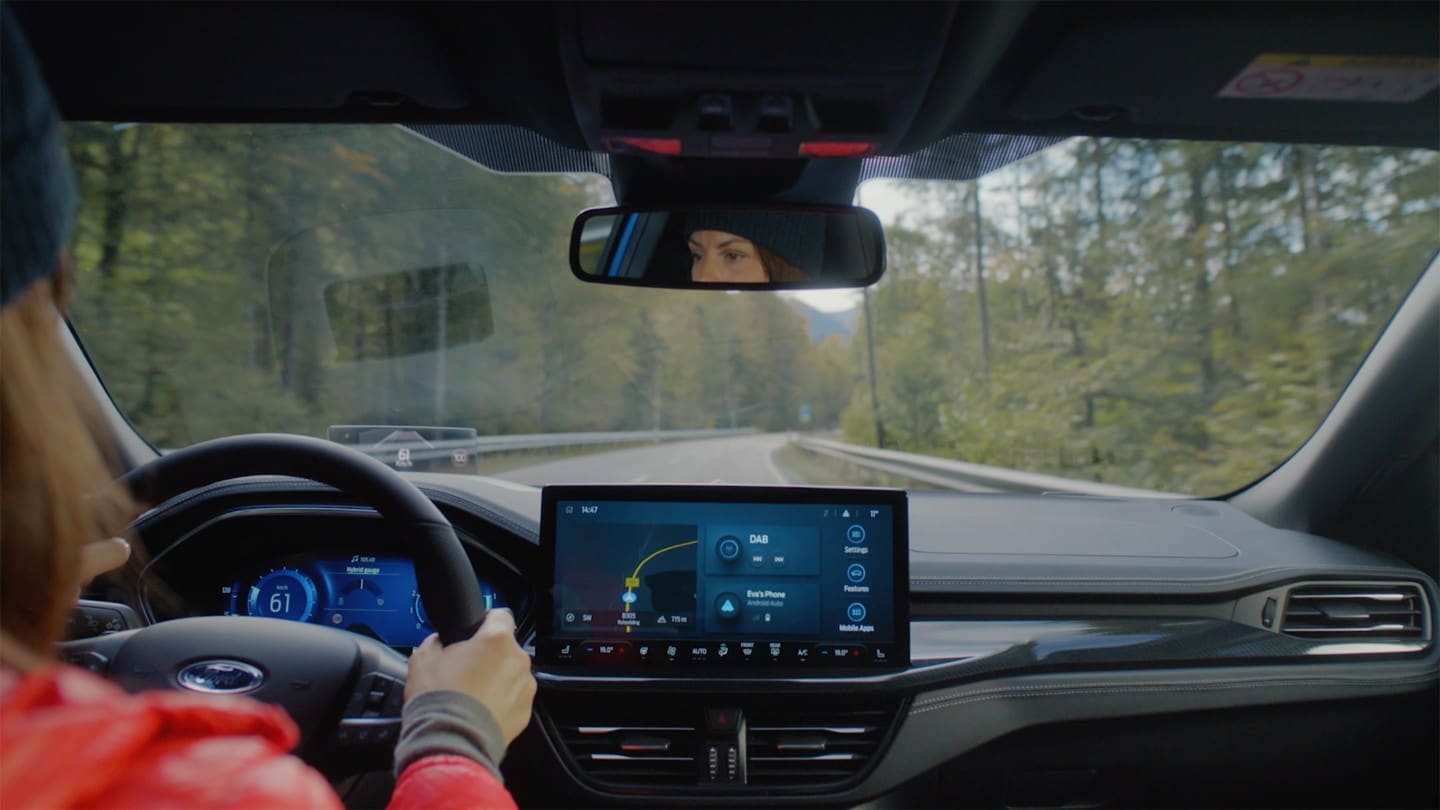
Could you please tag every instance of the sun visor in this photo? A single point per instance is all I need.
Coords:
(1321, 78)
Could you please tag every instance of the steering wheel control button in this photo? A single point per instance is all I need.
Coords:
(88, 659)
(855, 573)
(375, 696)
(727, 606)
(855, 535)
(368, 731)
(856, 612)
(728, 549)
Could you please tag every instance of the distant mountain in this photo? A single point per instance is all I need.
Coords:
(824, 324)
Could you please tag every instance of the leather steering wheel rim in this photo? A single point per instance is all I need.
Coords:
(442, 570)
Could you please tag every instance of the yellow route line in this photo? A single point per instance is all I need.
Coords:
(636, 572)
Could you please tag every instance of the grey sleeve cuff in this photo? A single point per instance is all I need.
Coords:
(448, 722)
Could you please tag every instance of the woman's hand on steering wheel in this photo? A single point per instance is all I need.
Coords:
(489, 666)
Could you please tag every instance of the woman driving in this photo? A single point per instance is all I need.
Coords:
(750, 247)
(72, 739)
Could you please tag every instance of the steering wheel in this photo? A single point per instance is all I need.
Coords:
(343, 690)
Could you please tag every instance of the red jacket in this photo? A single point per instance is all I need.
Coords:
(71, 739)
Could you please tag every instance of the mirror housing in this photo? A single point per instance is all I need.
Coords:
(693, 247)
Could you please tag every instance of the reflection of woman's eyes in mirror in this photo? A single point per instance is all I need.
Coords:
(723, 257)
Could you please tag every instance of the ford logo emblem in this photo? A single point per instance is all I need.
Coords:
(220, 676)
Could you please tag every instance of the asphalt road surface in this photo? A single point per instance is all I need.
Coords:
(741, 460)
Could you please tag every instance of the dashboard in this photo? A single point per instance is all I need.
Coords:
(1098, 651)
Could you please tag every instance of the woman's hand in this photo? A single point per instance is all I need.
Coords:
(489, 666)
(102, 555)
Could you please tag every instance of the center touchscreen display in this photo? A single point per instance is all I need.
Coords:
(716, 576)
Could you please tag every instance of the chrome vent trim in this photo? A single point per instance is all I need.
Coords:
(792, 749)
(1357, 612)
(635, 755)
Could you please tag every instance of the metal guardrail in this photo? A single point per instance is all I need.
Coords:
(462, 451)
(964, 476)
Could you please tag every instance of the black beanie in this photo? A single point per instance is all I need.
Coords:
(37, 189)
(798, 238)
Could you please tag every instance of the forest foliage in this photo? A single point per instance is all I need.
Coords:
(1160, 314)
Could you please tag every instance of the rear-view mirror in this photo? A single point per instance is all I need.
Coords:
(727, 247)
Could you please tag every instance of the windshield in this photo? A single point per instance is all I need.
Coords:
(1163, 315)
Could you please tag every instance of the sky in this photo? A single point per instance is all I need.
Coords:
(888, 202)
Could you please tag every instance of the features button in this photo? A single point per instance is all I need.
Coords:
(728, 549)
(855, 612)
(700, 653)
(775, 650)
(802, 653)
(748, 651)
(855, 573)
(727, 606)
(855, 534)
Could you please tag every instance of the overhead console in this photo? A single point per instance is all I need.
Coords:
(722, 580)
(682, 80)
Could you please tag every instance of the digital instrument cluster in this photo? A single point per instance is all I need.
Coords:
(372, 594)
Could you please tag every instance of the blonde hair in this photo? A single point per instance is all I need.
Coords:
(57, 470)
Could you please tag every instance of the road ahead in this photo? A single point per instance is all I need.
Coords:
(742, 460)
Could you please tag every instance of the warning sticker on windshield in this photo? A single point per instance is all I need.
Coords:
(1310, 77)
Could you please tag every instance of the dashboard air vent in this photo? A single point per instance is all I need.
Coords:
(1355, 611)
(799, 747)
(651, 755)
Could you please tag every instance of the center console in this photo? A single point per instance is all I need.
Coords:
(691, 605)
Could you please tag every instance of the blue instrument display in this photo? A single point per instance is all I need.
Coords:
(372, 594)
